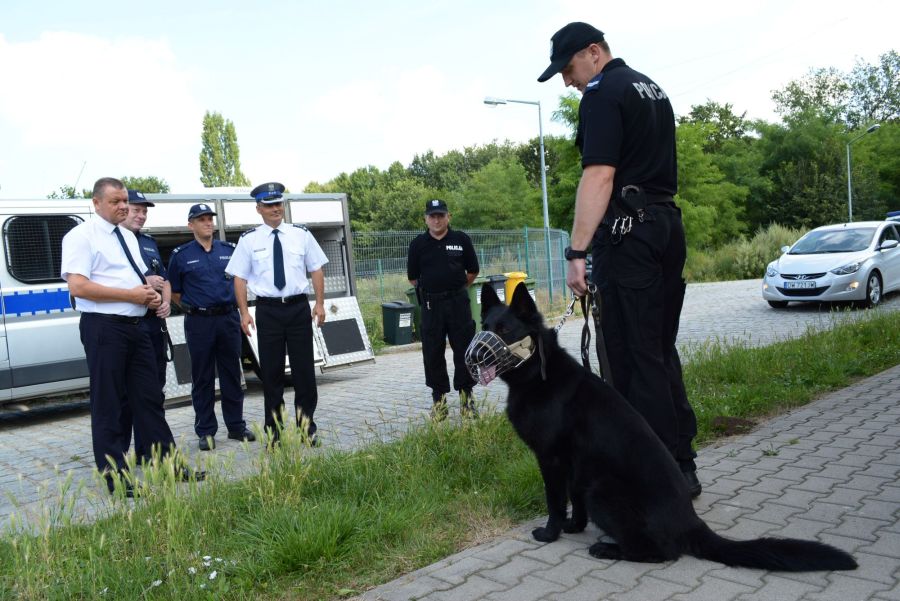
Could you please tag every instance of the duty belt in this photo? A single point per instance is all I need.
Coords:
(440, 295)
(208, 311)
(281, 300)
(631, 204)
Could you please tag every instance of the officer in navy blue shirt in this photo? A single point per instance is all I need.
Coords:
(212, 327)
(625, 205)
(154, 322)
(441, 263)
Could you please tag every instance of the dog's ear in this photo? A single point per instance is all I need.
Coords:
(522, 304)
(489, 299)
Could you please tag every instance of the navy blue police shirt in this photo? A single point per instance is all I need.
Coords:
(150, 254)
(200, 277)
(626, 121)
(441, 265)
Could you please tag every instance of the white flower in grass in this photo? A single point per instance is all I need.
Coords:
(192, 570)
(218, 560)
(206, 557)
(203, 585)
(213, 575)
(156, 583)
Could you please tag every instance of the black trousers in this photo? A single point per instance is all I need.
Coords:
(214, 342)
(278, 326)
(446, 318)
(124, 390)
(153, 325)
(642, 289)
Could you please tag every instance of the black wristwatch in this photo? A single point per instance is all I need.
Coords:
(575, 254)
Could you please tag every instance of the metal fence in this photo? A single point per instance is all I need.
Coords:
(380, 260)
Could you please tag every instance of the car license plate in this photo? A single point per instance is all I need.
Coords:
(802, 285)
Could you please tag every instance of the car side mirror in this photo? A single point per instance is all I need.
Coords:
(888, 244)
(784, 249)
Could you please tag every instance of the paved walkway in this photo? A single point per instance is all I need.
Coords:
(838, 482)
(828, 471)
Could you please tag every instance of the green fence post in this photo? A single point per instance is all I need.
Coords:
(527, 262)
(380, 280)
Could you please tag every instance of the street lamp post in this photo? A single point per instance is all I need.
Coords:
(497, 101)
(870, 130)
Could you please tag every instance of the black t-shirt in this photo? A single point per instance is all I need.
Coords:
(626, 121)
(441, 265)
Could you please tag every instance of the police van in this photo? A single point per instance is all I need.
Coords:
(40, 349)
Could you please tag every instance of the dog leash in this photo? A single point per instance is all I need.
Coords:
(591, 302)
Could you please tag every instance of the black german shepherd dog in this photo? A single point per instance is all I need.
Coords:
(594, 448)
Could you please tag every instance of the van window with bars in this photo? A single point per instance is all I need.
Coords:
(34, 246)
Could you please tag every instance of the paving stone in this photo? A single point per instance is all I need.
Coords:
(405, 589)
(570, 571)
(858, 527)
(475, 587)
(456, 572)
(778, 588)
(529, 589)
(511, 573)
(842, 588)
(589, 589)
(888, 544)
(818, 484)
(688, 571)
(714, 589)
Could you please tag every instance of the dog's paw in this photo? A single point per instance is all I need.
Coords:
(574, 525)
(605, 551)
(545, 535)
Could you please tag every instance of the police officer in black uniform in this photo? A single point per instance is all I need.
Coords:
(154, 322)
(212, 327)
(441, 264)
(624, 203)
(275, 261)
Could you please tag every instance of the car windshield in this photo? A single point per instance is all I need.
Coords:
(834, 241)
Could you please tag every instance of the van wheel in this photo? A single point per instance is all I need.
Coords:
(778, 304)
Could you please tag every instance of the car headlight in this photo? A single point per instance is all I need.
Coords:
(848, 268)
(771, 271)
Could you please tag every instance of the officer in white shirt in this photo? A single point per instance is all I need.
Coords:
(101, 262)
(275, 262)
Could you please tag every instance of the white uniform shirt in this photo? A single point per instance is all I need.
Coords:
(92, 249)
(252, 260)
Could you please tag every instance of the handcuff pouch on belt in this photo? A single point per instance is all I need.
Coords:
(629, 205)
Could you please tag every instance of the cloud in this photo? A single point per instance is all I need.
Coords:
(68, 93)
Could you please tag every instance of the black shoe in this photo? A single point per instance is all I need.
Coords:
(693, 483)
(245, 435)
(186, 475)
(439, 410)
(314, 440)
(467, 407)
(207, 443)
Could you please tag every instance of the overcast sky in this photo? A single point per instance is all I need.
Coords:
(318, 88)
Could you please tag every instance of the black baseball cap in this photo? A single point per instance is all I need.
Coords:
(138, 198)
(436, 206)
(566, 43)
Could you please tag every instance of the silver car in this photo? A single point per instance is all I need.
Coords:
(857, 262)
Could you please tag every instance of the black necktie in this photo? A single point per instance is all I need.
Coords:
(278, 259)
(128, 255)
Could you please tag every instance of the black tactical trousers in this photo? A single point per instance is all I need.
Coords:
(642, 289)
(446, 317)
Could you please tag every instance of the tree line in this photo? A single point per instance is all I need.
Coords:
(735, 175)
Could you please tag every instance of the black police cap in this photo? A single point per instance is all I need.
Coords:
(268, 193)
(138, 198)
(200, 209)
(566, 43)
(436, 206)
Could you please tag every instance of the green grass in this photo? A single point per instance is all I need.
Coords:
(329, 525)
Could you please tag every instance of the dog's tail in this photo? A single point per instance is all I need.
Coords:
(779, 554)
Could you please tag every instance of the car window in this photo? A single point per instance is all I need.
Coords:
(834, 241)
(889, 233)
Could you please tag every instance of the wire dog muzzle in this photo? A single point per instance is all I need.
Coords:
(488, 356)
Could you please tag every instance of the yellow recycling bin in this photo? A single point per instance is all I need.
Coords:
(512, 280)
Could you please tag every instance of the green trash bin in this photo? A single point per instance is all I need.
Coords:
(397, 318)
(475, 300)
(417, 313)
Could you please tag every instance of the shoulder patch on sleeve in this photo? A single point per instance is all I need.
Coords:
(231, 244)
(301, 226)
(251, 230)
